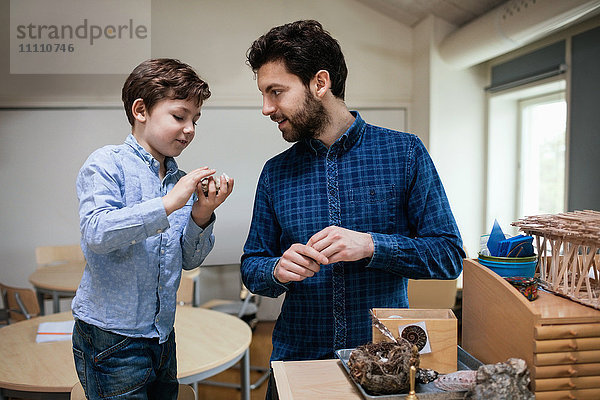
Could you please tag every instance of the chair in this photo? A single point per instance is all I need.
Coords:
(431, 293)
(246, 309)
(434, 293)
(51, 255)
(19, 303)
(187, 293)
(185, 392)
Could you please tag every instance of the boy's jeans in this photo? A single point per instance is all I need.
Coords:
(112, 366)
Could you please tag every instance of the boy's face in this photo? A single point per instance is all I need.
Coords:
(168, 128)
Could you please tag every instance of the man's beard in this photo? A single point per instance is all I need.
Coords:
(308, 122)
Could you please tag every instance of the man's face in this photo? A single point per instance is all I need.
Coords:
(299, 114)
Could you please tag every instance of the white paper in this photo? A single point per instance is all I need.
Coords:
(417, 328)
(54, 331)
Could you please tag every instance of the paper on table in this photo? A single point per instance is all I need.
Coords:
(54, 331)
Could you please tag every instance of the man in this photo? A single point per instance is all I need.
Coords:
(348, 213)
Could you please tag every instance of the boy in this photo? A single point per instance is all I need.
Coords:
(142, 220)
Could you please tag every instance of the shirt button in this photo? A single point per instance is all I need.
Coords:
(162, 251)
(133, 242)
(156, 319)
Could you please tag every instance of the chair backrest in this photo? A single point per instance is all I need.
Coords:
(49, 255)
(21, 302)
(77, 392)
(185, 293)
(186, 392)
(432, 293)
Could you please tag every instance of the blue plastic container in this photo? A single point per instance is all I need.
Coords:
(515, 266)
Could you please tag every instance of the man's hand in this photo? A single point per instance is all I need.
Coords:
(340, 244)
(206, 204)
(298, 263)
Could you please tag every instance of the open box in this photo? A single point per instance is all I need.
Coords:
(441, 325)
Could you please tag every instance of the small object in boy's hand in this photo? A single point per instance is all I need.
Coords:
(204, 183)
(527, 286)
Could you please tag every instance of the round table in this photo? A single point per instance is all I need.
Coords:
(56, 281)
(208, 342)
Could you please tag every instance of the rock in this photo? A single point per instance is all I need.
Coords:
(502, 381)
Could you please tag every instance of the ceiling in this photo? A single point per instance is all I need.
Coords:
(410, 12)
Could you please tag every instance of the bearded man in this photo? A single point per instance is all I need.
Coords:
(347, 214)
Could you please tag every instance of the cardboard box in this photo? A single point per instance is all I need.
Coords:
(441, 328)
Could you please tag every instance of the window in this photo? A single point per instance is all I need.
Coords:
(541, 173)
(526, 152)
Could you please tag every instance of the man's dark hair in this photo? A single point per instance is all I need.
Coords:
(162, 78)
(305, 48)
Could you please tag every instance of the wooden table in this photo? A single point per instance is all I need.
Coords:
(56, 281)
(208, 342)
(310, 380)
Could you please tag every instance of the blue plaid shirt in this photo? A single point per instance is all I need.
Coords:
(134, 251)
(371, 180)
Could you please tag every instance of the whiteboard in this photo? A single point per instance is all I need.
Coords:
(41, 151)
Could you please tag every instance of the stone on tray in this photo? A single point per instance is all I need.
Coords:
(502, 381)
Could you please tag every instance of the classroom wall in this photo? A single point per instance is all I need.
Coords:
(213, 36)
(50, 123)
(449, 112)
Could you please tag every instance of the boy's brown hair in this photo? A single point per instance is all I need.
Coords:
(162, 78)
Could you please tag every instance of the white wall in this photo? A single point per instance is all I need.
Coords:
(213, 36)
(453, 125)
(39, 160)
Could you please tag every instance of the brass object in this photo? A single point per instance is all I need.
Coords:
(412, 395)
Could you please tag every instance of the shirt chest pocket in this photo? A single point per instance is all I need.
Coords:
(373, 194)
(372, 208)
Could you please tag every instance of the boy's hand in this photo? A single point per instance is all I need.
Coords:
(206, 204)
(183, 190)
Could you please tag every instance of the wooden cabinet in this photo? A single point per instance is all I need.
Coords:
(558, 338)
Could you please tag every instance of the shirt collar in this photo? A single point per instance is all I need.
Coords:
(151, 162)
(347, 139)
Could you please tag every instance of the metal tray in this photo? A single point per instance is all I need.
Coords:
(424, 391)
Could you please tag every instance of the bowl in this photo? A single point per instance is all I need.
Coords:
(510, 266)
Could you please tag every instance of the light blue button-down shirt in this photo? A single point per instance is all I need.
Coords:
(134, 251)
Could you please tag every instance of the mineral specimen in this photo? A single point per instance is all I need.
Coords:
(383, 368)
(502, 381)
(217, 181)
